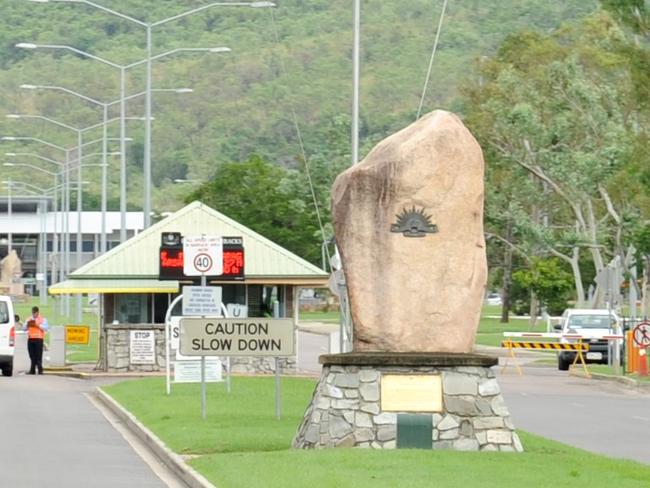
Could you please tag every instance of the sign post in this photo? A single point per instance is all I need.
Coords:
(203, 256)
(77, 334)
(641, 335)
(203, 387)
(276, 314)
(168, 338)
(217, 336)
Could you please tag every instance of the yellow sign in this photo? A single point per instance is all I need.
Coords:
(411, 393)
(77, 334)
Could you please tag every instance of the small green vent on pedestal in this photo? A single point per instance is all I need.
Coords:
(414, 431)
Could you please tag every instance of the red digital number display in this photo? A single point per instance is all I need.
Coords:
(233, 262)
(171, 258)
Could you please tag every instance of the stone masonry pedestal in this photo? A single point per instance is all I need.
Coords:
(346, 407)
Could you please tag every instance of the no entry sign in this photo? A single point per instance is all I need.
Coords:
(202, 255)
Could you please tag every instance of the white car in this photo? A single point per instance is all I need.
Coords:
(7, 335)
(493, 299)
(592, 325)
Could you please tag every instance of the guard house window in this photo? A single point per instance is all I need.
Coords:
(261, 300)
(131, 309)
(233, 294)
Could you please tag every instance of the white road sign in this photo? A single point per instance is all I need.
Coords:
(216, 336)
(190, 371)
(202, 300)
(202, 255)
(142, 347)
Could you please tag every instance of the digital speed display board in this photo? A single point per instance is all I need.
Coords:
(171, 258)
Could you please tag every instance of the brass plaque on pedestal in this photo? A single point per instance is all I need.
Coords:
(411, 393)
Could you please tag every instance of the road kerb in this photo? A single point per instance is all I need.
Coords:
(618, 379)
(173, 461)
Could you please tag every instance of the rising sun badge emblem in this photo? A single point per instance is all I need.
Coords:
(414, 223)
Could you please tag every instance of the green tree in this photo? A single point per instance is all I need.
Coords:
(266, 198)
(561, 107)
(549, 281)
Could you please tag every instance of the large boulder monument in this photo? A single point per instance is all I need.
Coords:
(408, 221)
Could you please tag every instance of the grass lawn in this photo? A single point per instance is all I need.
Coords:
(490, 330)
(242, 444)
(333, 316)
(75, 353)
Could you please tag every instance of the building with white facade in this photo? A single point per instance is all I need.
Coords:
(38, 235)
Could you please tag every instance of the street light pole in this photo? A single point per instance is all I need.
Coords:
(148, 117)
(55, 241)
(147, 138)
(102, 245)
(79, 192)
(355, 82)
(149, 26)
(9, 210)
(60, 245)
(123, 156)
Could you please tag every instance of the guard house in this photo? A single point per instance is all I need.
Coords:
(134, 297)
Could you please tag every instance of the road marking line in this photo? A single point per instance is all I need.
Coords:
(580, 405)
(636, 417)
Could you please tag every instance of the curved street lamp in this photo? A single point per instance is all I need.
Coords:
(122, 100)
(104, 199)
(149, 27)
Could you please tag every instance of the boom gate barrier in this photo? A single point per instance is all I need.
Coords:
(579, 347)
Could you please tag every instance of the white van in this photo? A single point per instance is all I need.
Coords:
(7, 335)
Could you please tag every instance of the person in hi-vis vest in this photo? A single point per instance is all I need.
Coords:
(36, 326)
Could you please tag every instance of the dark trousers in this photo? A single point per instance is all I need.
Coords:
(35, 349)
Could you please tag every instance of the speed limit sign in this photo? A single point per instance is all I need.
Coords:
(202, 255)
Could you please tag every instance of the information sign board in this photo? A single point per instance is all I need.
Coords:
(190, 371)
(202, 300)
(411, 393)
(77, 334)
(142, 347)
(202, 255)
(217, 336)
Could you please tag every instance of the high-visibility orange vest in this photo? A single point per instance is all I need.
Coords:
(35, 332)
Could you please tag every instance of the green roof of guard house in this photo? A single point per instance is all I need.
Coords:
(137, 260)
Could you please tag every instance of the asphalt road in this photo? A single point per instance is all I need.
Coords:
(50, 429)
(600, 416)
(596, 415)
(310, 347)
(52, 435)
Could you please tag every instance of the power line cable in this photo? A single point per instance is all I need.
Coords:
(433, 54)
(301, 141)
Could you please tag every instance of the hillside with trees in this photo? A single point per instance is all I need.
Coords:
(556, 92)
(294, 57)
